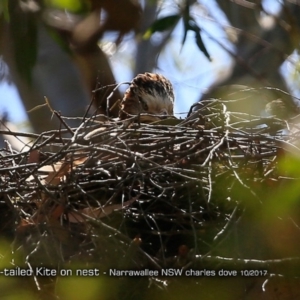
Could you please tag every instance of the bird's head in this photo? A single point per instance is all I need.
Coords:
(150, 94)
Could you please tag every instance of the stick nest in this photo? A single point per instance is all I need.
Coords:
(134, 195)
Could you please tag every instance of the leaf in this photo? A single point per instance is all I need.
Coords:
(24, 34)
(201, 45)
(161, 24)
(61, 168)
(192, 25)
(75, 6)
(4, 9)
(186, 19)
(55, 173)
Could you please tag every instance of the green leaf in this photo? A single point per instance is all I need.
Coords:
(192, 25)
(201, 45)
(4, 9)
(24, 35)
(161, 25)
(186, 19)
(75, 6)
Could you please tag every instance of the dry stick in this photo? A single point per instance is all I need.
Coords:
(220, 143)
(230, 221)
(98, 223)
(24, 134)
(213, 136)
(111, 94)
(58, 115)
(91, 102)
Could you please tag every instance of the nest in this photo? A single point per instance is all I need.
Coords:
(126, 194)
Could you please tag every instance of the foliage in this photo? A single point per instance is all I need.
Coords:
(169, 22)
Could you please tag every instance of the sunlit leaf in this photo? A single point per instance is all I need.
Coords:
(161, 25)
(75, 6)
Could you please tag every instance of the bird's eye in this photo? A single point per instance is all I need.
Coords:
(144, 104)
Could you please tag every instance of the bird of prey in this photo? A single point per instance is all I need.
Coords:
(150, 94)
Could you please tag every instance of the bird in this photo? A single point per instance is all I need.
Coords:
(148, 93)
